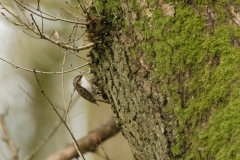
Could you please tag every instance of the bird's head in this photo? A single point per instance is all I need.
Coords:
(77, 80)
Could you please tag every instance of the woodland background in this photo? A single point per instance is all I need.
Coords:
(27, 114)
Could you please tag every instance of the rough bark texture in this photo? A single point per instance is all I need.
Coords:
(170, 72)
(136, 101)
(133, 91)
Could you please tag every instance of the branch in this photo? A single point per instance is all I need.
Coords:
(36, 71)
(78, 55)
(38, 147)
(54, 18)
(35, 29)
(89, 142)
(65, 46)
(13, 148)
(58, 114)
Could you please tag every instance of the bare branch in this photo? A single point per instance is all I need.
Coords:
(58, 114)
(23, 13)
(78, 55)
(65, 105)
(63, 91)
(36, 30)
(26, 92)
(70, 13)
(63, 45)
(15, 23)
(88, 142)
(40, 33)
(69, 105)
(69, 38)
(37, 148)
(8, 140)
(42, 72)
(54, 18)
(31, 35)
(68, 2)
(16, 17)
(39, 9)
(104, 152)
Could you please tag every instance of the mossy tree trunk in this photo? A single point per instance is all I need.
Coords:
(171, 72)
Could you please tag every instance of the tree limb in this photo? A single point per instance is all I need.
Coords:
(88, 142)
(13, 148)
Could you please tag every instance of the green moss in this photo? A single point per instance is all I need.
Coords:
(133, 51)
(184, 45)
(109, 6)
(177, 148)
(135, 7)
(201, 64)
(152, 4)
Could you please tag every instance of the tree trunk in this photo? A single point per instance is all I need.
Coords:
(170, 72)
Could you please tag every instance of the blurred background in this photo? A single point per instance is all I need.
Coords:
(28, 116)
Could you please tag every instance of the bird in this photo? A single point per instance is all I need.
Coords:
(84, 88)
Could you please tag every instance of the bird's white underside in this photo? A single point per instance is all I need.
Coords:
(86, 84)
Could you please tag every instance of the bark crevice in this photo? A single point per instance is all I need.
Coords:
(134, 94)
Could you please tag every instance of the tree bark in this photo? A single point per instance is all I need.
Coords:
(159, 65)
(134, 92)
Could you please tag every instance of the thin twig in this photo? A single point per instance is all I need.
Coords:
(15, 23)
(40, 33)
(24, 15)
(58, 114)
(88, 142)
(70, 35)
(45, 36)
(70, 13)
(101, 146)
(26, 92)
(74, 35)
(63, 91)
(78, 55)
(54, 18)
(39, 9)
(72, 7)
(75, 40)
(42, 72)
(82, 7)
(69, 105)
(82, 72)
(36, 149)
(31, 35)
(64, 99)
(30, 27)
